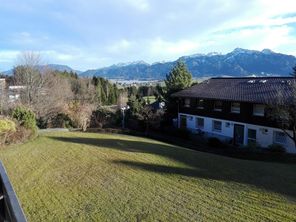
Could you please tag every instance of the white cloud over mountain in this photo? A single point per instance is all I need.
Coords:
(92, 34)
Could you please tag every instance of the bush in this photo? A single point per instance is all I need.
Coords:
(7, 125)
(42, 123)
(25, 117)
(21, 135)
(104, 117)
(276, 148)
(183, 133)
(253, 147)
(215, 142)
(62, 120)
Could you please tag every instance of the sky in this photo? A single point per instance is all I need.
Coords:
(89, 34)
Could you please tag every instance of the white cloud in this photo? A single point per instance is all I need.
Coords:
(120, 46)
(162, 48)
(142, 5)
(92, 34)
(6, 56)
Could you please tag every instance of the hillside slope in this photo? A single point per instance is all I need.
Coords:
(98, 177)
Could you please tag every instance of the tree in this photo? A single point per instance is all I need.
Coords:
(179, 78)
(150, 117)
(283, 111)
(42, 90)
(28, 75)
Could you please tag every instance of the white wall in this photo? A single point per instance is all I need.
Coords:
(264, 134)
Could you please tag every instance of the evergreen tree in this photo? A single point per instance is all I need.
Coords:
(179, 78)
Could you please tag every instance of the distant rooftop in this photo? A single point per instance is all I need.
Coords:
(243, 89)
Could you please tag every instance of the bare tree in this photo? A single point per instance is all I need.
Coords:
(122, 99)
(81, 113)
(283, 110)
(27, 74)
(42, 91)
(3, 95)
(54, 96)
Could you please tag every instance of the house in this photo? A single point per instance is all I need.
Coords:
(157, 105)
(14, 93)
(234, 110)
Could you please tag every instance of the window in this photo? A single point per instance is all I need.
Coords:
(235, 107)
(199, 123)
(258, 110)
(187, 102)
(252, 136)
(217, 126)
(279, 137)
(217, 106)
(200, 104)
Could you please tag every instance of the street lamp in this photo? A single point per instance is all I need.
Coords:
(123, 109)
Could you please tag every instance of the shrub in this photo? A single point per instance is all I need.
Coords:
(42, 123)
(25, 117)
(253, 147)
(183, 133)
(62, 120)
(7, 125)
(215, 142)
(21, 135)
(276, 148)
(103, 117)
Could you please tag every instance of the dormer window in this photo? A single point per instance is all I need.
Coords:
(200, 104)
(187, 102)
(218, 106)
(258, 110)
(235, 107)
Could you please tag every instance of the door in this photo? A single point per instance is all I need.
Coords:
(183, 122)
(238, 134)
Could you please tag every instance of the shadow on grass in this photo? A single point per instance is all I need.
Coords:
(280, 178)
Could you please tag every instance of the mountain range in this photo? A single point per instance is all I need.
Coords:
(49, 66)
(239, 62)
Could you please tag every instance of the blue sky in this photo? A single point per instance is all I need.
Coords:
(88, 34)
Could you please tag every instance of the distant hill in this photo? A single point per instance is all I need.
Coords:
(239, 62)
(62, 68)
(57, 67)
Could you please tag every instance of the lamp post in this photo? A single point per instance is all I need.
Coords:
(123, 109)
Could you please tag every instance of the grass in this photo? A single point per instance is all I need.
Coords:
(101, 177)
(151, 99)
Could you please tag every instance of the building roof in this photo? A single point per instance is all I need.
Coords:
(252, 89)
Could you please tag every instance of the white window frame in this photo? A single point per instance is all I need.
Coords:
(284, 142)
(199, 102)
(213, 126)
(235, 109)
(218, 109)
(255, 112)
(252, 139)
(196, 123)
(187, 102)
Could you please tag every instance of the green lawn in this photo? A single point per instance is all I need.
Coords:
(101, 177)
(151, 99)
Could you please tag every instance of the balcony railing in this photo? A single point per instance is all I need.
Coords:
(10, 209)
